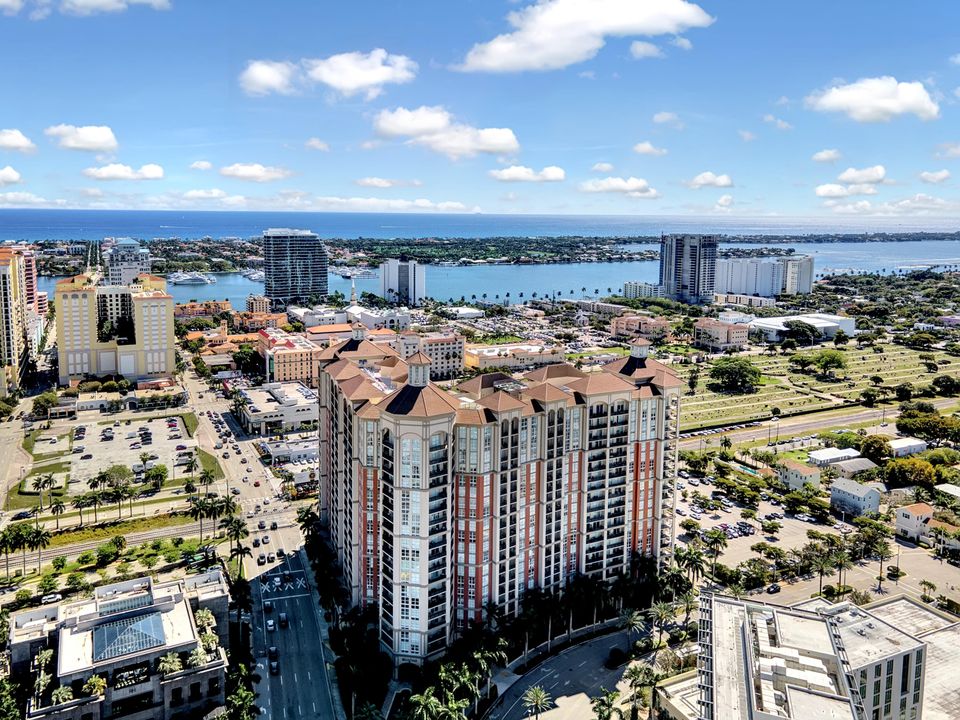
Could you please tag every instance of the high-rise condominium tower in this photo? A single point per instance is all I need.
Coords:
(688, 266)
(403, 281)
(441, 503)
(295, 264)
(125, 261)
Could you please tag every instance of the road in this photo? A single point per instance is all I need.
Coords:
(301, 688)
(808, 424)
(570, 678)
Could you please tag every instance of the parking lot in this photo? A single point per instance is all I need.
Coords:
(122, 443)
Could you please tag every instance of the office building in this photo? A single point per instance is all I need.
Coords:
(719, 336)
(515, 356)
(14, 313)
(775, 329)
(445, 350)
(258, 304)
(295, 267)
(442, 502)
(765, 276)
(743, 300)
(124, 261)
(760, 661)
(288, 357)
(278, 407)
(633, 290)
(687, 267)
(120, 634)
(112, 330)
(403, 281)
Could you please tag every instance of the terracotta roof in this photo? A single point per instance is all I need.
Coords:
(418, 358)
(414, 401)
(600, 382)
(802, 467)
(354, 348)
(644, 369)
(919, 508)
(931, 523)
(359, 387)
(545, 392)
(342, 369)
(369, 411)
(472, 416)
(382, 331)
(557, 371)
(501, 402)
(476, 385)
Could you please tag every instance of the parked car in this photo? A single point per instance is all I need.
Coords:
(271, 626)
(51, 598)
(773, 589)
(284, 622)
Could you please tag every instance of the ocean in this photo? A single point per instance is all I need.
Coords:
(35, 225)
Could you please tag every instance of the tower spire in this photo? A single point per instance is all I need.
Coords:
(353, 291)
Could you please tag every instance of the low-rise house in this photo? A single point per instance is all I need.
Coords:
(853, 466)
(795, 474)
(916, 523)
(901, 447)
(645, 326)
(207, 309)
(828, 456)
(515, 355)
(849, 496)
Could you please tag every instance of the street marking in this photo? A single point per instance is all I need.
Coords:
(582, 664)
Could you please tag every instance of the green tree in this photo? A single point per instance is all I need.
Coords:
(95, 686)
(426, 705)
(631, 621)
(605, 705)
(660, 613)
(58, 508)
(169, 664)
(829, 360)
(735, 374)
(536, 700)
(875, 448)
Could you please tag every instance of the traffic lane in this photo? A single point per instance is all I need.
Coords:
(571, 679)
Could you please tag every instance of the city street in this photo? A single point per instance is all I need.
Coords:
(301, 688)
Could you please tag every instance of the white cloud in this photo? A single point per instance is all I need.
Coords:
(780, 123)
(317, 144)
(95, 138)
(355, 72)
(379, 182)
(116, 171)
(370, 144)
(876, 100)
(553, 34)
(919, 204)
(92, 192)
(935, 177)
(262, 77)
(835, 190)
(949, 150)
(370, 204)
(201, 165)
(255, 172)
(11, 7)
(631, 187)
(873, 174)
(92, 7)
(955, 59)
(709, 179)
(211, 194)
(21, 199)
(682, 43)
(641, 49)
(603, 167)
(434, 128)
(519, 173)
(827, 155)
(648, 148)
(782, 100)
(587, 75)
(9, 176)
(667, 118)
(746, 135)
(15, 140)
(724, 203)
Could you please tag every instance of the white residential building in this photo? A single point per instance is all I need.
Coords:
(901, 447)
(916, 523)
(278, 407)
(633, 289)
(830, 455)
(403, 281)
(688, 267)
(765, 276)
(856, 499)
(294, 265)
(795, 474)
(445, 350)
(125, 261)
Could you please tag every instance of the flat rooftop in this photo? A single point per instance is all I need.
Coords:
(941, 688)
(910, 616)
(868, 639)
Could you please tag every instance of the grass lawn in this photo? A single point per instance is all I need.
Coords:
(105, 531)
(618, 351)
(190, 422)
(209, 462)
(497, 339)
(62, 466)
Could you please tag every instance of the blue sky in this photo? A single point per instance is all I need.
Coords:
(562, 106)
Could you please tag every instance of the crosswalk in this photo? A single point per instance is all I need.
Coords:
(270, 589)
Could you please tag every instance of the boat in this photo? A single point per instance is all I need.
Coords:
(255, 275)
(356, 273)
(190, 278)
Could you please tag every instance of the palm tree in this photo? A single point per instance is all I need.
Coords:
(199, 509)
(206, 478)
(41, 483)
(235, 529)
(197, 657)
(928, 587)
(693, 562)
(38, 538)
(7, 544)
(58, 508)
(688, 602)
(716, 542)
(307, 519)
(192, 466)
(660, 613)
(19, 538)
(62, 694)
(640, 677)
(95, 686)
(169, 664)
(843, 563)
(631, 621)
(823, 564)
(605, 705)
(96, 500)
(425, 706)
(536, 700)
(239, 553)
(880, 548)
